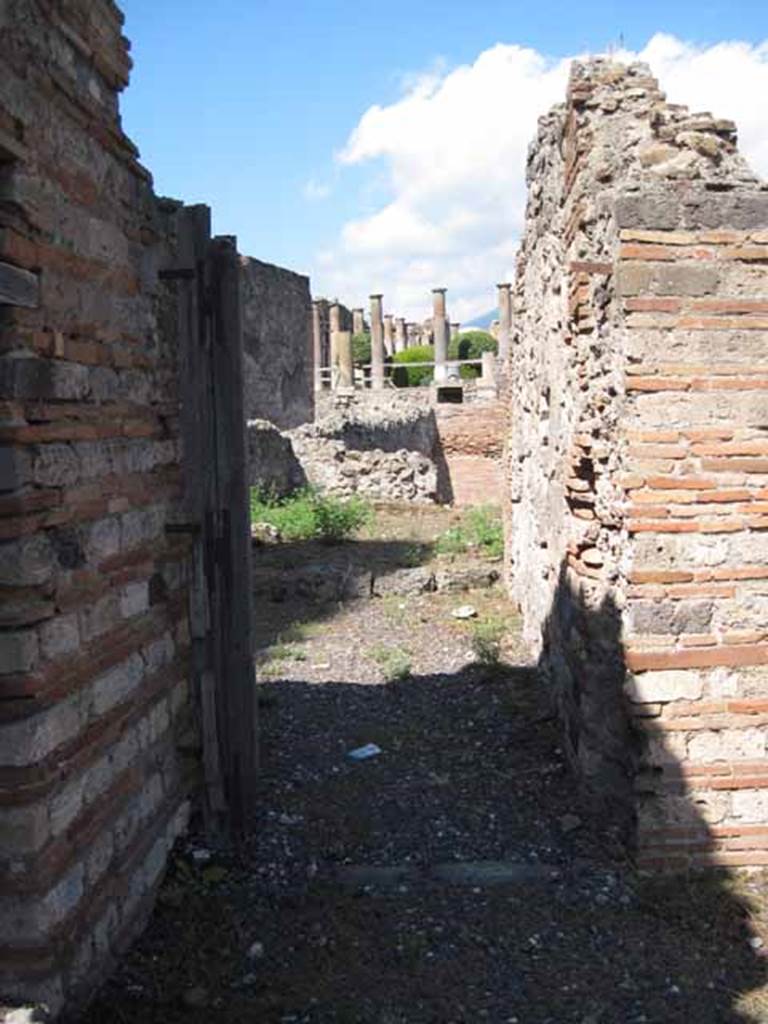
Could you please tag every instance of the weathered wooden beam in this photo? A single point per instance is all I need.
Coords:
(18, 287)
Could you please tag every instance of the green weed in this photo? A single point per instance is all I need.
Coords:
(394, 662)
(310, 515)
(479, 528)
(487, 636)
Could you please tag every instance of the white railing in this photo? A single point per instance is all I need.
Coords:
(451, 367)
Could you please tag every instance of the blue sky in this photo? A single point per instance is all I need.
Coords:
(246, 105)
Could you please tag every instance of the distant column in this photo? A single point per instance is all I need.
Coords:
(317, 345)
(389, 337)
(377, 343)
(440, 333)
(341, 346)
(401, 338)
(455, 330)
(335, 318)
(488, 374)
(358, 321)
(505, 319)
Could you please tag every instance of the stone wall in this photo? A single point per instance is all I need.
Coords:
(638, 462)
(277, 335)
(94, 632)
(381, 445)
(471, 441)
(399, 445)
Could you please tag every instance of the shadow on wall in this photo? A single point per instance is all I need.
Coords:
(445, 492)
(272, 464)
(582, 661)
(583, 666)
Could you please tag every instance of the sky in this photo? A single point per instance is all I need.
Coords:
(380, 146)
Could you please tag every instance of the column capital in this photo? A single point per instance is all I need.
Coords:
(504, 284)
(439, 291)
(380, 295)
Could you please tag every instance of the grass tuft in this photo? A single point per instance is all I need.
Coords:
(310, 515)
(479, 528)
(487, 636)
(394, 662)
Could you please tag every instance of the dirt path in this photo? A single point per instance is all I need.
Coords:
(450, 878)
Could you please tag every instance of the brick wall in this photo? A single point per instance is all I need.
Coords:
(638, 463)
(277, 337)
(94, 635)
(471, 441)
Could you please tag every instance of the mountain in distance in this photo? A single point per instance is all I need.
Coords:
(482, 322)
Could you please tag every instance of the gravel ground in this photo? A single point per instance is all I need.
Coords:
(454, 876)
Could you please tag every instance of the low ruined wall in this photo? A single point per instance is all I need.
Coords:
(381, 446)
(401, 445)
(638, 463)
(94, 632)
(277, 336)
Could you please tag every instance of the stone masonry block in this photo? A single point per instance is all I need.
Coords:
(656, 209)
(98, 857)
(750, 805)
(98, 777)
(59, 636)
(23, 830)
(114, 686)
(99, 617)
(684, 279)
(159, 652)
(125, 752)
(55, 465)
(94, 458)
(650, 687)
(27, 562)
(134, 599)
(30, 740)
(727, 745)
(19, 650)
(43, 379)
(32, 922)
(159, 720)
(15, 468)
(141, 525)
(103, 539)
(66, 805)
(668, 617)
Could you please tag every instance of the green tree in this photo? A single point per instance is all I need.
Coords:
(471, 345)
(361, 349)
(405, 376)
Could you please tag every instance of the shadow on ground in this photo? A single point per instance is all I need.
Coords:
(458, 876)
(470, 771)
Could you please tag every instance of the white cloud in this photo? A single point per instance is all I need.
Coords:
(453, 149)
(314, 191)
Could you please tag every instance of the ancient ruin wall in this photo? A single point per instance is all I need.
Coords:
(94, 638)
(277, 336)
(638, 462)
(471, 444)
(380, 445)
